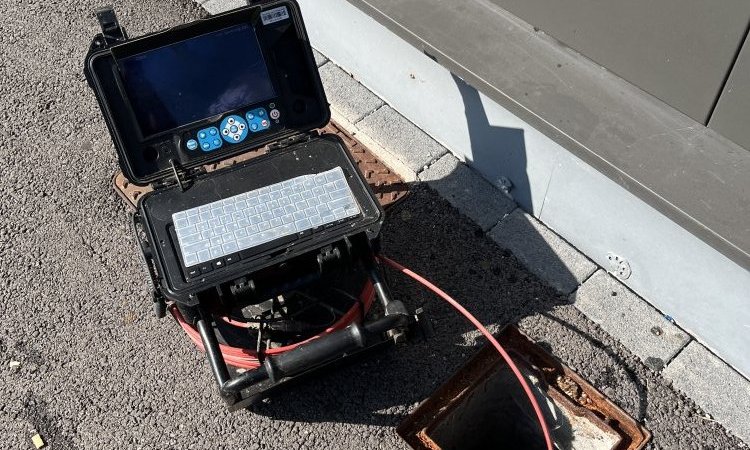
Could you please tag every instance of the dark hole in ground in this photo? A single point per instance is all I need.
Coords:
(495, 414)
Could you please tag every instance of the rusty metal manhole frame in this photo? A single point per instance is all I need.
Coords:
(387, 185)
(563, 385)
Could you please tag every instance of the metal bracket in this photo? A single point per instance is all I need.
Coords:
(112, 32)
(176, 174)
(296, 139)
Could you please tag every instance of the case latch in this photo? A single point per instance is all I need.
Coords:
(292, 140)
(112, 32)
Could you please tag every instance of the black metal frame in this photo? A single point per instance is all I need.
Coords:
(308, 357)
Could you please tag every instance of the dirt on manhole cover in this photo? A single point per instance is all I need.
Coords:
(482, 406)
(387, 185)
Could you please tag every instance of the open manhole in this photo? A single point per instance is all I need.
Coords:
(387, 185)
(482, 406)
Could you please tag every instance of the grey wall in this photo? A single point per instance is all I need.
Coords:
(680, 51)
(732, 115)
(674, 270)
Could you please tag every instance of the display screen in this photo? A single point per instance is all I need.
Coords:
(196, 78)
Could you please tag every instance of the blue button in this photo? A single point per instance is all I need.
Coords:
(202, 135)
(213, 131)
(261, 112)
(254, 126)
(233, 129)
(206, 146)
(217, 142)
(192, 144)
(250, 116)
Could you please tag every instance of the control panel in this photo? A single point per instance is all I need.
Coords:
(232, 129)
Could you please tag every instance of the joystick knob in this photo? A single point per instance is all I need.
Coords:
(233, 129)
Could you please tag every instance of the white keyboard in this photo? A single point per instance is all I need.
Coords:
(244, 221)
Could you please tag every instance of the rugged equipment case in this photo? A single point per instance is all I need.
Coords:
(179, 184)
(293, 149)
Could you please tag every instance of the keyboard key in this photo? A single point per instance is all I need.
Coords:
(303, 224)
(340, 203)
(195, 248)
(204, 255)
(230, 247)
(193, 272)
(191, 239)
(338, 194)
(206, 267)
(191, 260)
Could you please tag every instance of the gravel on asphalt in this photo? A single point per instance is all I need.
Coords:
(84, 362)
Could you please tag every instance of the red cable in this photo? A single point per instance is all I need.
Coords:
(483, 330)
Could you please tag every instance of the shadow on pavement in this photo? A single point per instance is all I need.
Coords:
(427, 234)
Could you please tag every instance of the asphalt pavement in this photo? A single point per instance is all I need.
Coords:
(85, 363)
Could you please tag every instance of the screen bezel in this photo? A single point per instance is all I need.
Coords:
(122, 80)
(176, 35)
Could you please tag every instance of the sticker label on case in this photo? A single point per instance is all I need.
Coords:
(274, 15)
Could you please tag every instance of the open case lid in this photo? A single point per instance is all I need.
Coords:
(207, 90)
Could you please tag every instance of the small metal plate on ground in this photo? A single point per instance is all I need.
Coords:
(482, 406)
(388, 187)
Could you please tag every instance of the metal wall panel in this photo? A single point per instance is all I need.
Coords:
(673, 269)
(677, 50)
(732, 114)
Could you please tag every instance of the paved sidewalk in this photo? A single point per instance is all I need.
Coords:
(84, 362)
